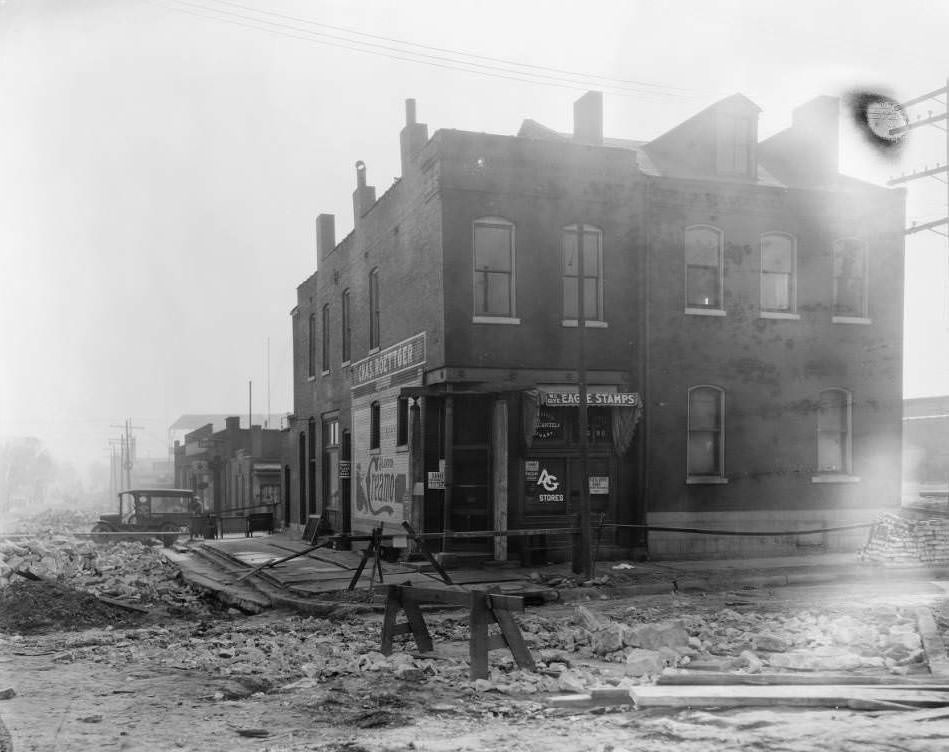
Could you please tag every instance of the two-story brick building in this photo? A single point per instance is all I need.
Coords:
(742, 339)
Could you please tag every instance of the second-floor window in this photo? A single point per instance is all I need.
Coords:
(494, 268)
(374, 309)
(850, 278)
(326, 337)
(375, 426)
(346, 326)
(778, 266)
(311, 345)
(703, 267)
(592, 246)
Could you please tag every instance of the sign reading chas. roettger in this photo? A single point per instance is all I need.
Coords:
(399, 357)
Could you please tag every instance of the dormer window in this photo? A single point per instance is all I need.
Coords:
(736, 139)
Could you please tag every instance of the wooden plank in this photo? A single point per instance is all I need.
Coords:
(515, 640)
(719, 678)
(416, 622)
(478, 644)
(393, 606)
(440, 595)
(506, 602)
(496, 642)
(769, 696)
(932, 643)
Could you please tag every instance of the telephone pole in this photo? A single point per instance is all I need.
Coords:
(128, 450)
(938, 121)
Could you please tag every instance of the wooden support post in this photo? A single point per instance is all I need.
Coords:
(478, 644)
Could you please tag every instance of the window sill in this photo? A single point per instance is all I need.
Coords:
(706, 480)
(373, 350)
(589, 324)
(704, 311)
(786, 315)
(345, 363)
(402, 448)
(834, 478)
(324, 372)
(375, 450)
(311, 378)
(851, 320)
(494, 320)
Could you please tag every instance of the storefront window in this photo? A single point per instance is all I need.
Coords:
(561, 426)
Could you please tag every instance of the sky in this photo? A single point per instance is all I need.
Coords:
(162, 163)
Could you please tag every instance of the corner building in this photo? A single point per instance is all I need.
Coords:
(742, 340)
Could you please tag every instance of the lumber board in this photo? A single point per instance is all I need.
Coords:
(720, 678)
(774, 695)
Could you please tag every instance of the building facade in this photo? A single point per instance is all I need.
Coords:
(231, 469)
(742, 340)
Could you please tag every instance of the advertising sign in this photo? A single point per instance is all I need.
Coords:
(544, 482)
(345, 469)
(594, 399)
(436, 480)
(399, 357)
(599, 484)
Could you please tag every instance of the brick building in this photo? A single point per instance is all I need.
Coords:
(234, 468)
(742, 338)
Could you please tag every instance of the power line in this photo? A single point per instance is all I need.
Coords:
(450, 51)
(392, 53)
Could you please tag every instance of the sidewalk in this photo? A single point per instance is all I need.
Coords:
(305, 582)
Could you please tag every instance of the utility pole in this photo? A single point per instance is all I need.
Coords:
(586, 534)
(934, 121)
(128, 445)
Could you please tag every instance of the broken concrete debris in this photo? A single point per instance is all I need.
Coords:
(895, 540)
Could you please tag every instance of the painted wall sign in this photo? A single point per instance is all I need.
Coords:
(595, 399)
(599, 484)
(436, 480)
(398, 357)
(380, 490)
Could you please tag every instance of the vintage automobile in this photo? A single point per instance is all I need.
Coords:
(166, 512)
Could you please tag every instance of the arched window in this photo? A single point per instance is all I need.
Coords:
(834, 443)
(311, 345)
(346, 324)
(703, 267)
(850, 278)
(374, 309)
(706, 441)
(592, 272)
(778, 273)
(494, 267)
(326, 338)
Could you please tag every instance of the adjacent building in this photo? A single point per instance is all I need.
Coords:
(233, 469)
(741, 339)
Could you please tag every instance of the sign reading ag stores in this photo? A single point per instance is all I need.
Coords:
(545, 485)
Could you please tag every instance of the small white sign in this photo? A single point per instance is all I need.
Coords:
(436, 480)
(599, 484)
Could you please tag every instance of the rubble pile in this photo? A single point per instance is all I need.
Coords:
(130, 571)
(56, 521)
(896, 540)
(31, 606)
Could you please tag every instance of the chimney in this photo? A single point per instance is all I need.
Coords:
(413, 136)
(364, 196)
(816, 125)
(256, 441)
(588, 119)
(325, 237)
(232, 423)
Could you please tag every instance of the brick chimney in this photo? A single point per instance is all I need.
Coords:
(588, 119)
(232, 423)
(325, 237)
(816, 125)
(364, 196)
(413, 136)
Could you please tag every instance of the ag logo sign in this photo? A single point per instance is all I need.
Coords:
(551, 484)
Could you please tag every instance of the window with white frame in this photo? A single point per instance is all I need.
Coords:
(592, 246)
(850, 278)
(778, 268)
(494, 290)
(706, 447)
(703, 267)
(834, 417)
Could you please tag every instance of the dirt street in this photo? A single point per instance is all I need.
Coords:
(278, 681)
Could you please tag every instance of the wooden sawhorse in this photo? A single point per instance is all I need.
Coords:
(485, 609)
